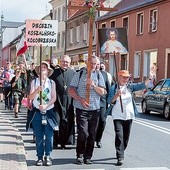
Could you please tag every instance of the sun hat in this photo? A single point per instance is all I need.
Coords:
(50, 70)
(124, 73)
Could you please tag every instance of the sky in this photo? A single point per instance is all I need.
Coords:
(20, 10)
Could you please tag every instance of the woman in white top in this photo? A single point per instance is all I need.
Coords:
(43, 131)
(123, 116)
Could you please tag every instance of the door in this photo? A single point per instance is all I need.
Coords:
(168, 66)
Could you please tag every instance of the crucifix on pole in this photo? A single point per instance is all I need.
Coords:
(92, 6)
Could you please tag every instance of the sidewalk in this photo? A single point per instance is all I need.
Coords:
(12, 152)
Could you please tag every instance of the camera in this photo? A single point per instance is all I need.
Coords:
(44, 118)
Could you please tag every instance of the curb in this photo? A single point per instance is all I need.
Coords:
(20, 150)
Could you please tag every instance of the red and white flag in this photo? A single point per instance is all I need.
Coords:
(22, 46)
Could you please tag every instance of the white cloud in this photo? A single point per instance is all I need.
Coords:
(20, 10)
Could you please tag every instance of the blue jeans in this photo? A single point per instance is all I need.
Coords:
(87, 122)
(41, 131)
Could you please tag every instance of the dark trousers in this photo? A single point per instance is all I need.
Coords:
(122, 133)
(101, 124)
(66, 133)
(8, 97)
(87, 122)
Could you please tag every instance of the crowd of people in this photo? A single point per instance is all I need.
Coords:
(56, 102)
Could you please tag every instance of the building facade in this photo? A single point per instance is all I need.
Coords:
(77, 43)
(59, 13)
(148, 39)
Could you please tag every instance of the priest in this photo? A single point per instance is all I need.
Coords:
(64, 104)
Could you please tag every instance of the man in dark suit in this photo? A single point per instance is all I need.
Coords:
(64, 104)
(103, 107)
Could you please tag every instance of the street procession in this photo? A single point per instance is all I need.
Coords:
(85, 84)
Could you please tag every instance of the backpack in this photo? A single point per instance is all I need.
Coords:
(81, 72)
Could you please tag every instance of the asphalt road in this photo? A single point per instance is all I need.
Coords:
(148, 148)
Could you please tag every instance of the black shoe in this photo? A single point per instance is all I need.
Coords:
(99, 144)
(79, 161)
(16, 115)
(120, 161)
(55, 146)
(39, 162)
(47, 161)
(63, 147)
(88, 161)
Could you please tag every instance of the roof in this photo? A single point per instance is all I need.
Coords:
(128, 5)
(11, 24)
(13, 41)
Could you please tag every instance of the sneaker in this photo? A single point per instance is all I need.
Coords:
(39, 162)
(79, 161)
(47, 161)
(120, 161)
(88, 161)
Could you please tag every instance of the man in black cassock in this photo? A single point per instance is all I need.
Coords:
(64, 104)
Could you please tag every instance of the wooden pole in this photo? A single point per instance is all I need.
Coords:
(114, 57)
(91, 21)
(40, 73)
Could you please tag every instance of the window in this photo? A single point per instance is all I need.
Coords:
(63, 13)
(59, 14)
(153, 20)
(55, 14)
(125, 22)
(46, 52)
(85, 31)
(78, 33)
(104, 25)
(71, 35)
(158, 86)
(124, 62)
(63, 39)
(166, 86)
(58, 40)
(113, 24)
(140, 23)
(137, 59)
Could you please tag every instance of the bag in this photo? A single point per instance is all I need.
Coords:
(24, 101)
(27, 103)
(109, 110)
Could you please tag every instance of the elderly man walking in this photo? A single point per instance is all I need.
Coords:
(87, 114)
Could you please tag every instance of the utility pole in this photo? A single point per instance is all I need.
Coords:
(66, 16)
(1, 38)
(51, 48)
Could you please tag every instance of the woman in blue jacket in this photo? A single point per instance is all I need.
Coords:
(123, 116)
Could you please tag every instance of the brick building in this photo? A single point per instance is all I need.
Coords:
(147, 24)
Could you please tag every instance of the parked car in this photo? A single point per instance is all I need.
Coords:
(158, 99)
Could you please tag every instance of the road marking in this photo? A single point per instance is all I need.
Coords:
(146, 168)
(156, 127)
